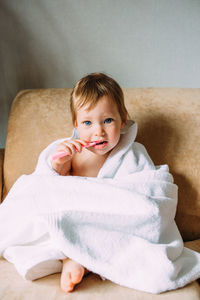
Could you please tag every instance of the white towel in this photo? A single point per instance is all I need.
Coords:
(119, 225)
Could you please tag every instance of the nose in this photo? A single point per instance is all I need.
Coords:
(99, 130)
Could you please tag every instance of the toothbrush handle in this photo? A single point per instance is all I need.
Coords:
(63, 153)
(59, 155)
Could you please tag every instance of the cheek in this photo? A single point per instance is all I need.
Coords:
(82, 133)
(115, 133)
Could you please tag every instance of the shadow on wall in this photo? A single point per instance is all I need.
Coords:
(26, 57)
(20, 69)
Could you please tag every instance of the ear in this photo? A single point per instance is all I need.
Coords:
(123, 125)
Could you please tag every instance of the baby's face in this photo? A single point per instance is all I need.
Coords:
(102, 123)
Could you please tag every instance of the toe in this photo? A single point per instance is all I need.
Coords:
(66, 283)
(77, 275)
(69, 289)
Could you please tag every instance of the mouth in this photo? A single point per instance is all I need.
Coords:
(100, 144)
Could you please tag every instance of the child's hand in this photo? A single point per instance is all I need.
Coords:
(62, 165)
(68, 149)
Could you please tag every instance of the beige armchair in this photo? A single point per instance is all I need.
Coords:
(169, 127)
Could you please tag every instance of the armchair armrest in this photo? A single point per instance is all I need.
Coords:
(1, 173)
(193, 245)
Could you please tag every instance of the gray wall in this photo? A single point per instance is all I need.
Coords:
(141, 43)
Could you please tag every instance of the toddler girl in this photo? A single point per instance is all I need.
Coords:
(98, 115)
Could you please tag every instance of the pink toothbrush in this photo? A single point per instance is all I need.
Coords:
(63, 153)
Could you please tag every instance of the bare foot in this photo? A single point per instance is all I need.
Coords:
(72, 273)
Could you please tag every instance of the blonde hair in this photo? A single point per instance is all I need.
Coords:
(91, 88)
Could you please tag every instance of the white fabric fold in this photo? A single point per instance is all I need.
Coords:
(119, 225)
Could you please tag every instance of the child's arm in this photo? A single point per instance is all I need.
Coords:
(62, 165)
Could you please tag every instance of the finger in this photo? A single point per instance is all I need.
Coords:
(76, 144)
(62, 154)
(82, 142)
(70, 147)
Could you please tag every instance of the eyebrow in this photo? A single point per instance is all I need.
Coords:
(103, 117)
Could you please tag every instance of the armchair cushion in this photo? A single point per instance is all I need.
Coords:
(91, 288)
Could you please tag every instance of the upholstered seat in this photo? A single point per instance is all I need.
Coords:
(169, 127)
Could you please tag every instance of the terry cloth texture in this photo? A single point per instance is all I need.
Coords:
(119, 225)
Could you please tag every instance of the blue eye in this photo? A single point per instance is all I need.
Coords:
(108, 120)
(87, 123)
